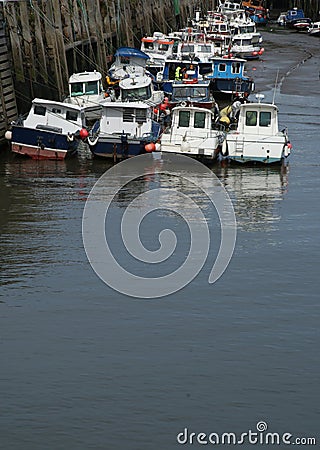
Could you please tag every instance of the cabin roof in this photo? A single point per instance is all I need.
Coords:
(130, 52)
(45, 102)
(192, 108)
(85, 76)
(226, 60)
(200, 83)
(138, 81)
(258, 107)
(118, 105)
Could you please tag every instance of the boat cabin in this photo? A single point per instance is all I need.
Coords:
(131, 118)
(139, 89)
(129, 61)
(85, 84)
(197, 94)
(158, 47)
(258, 118)
(293, 14)
(58, 117)
(191, 121)
(224, 67)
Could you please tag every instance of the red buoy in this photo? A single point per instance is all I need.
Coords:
(83, 134)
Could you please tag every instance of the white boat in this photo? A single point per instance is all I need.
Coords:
(257, 137)
(314, 29)
(243, 47)
(192, 133)
(86, 91)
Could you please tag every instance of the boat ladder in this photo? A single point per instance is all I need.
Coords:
(239, 146)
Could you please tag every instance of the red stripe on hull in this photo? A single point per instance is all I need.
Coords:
(38, 153)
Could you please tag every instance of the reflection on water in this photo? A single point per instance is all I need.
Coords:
(41, 205)
(255, 193)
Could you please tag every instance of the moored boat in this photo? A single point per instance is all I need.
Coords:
(257, 137)
(314, 29)
(51, 130)
(125, 128)
(193, 132)
(228, 77)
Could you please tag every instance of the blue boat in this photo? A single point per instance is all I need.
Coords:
(51, 130)
(124, 130)
(228, 78)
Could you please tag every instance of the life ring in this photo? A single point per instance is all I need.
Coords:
(183, 104)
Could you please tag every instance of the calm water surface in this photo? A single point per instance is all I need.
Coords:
(84, 367)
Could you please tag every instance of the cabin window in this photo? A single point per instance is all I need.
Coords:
(187, 48)
(199, 119)
(141, 115)
(184, 118)
(72, 115)
(235, 67)
(265, 119)
(251, 118)
(128, 114)
(222, 67)
(124, 60)
(163, 47)
(91, 87)
(40, 110)
(142, 93)
(148, 45)
(198, 93)
(56, 111)
(204, 48)
(76, 89)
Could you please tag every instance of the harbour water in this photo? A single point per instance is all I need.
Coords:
(84, 367)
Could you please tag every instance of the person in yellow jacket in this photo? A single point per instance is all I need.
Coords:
(178, 74)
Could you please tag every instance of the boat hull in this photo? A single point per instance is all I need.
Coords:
(241, 149)
(230, 86)
(39, 144)
(112, 147)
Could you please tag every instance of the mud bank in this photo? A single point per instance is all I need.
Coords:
(296, 59)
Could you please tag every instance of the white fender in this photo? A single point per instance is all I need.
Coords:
(224, 148)
(8, 135)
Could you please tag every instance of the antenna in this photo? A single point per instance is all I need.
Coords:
(275, 87)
